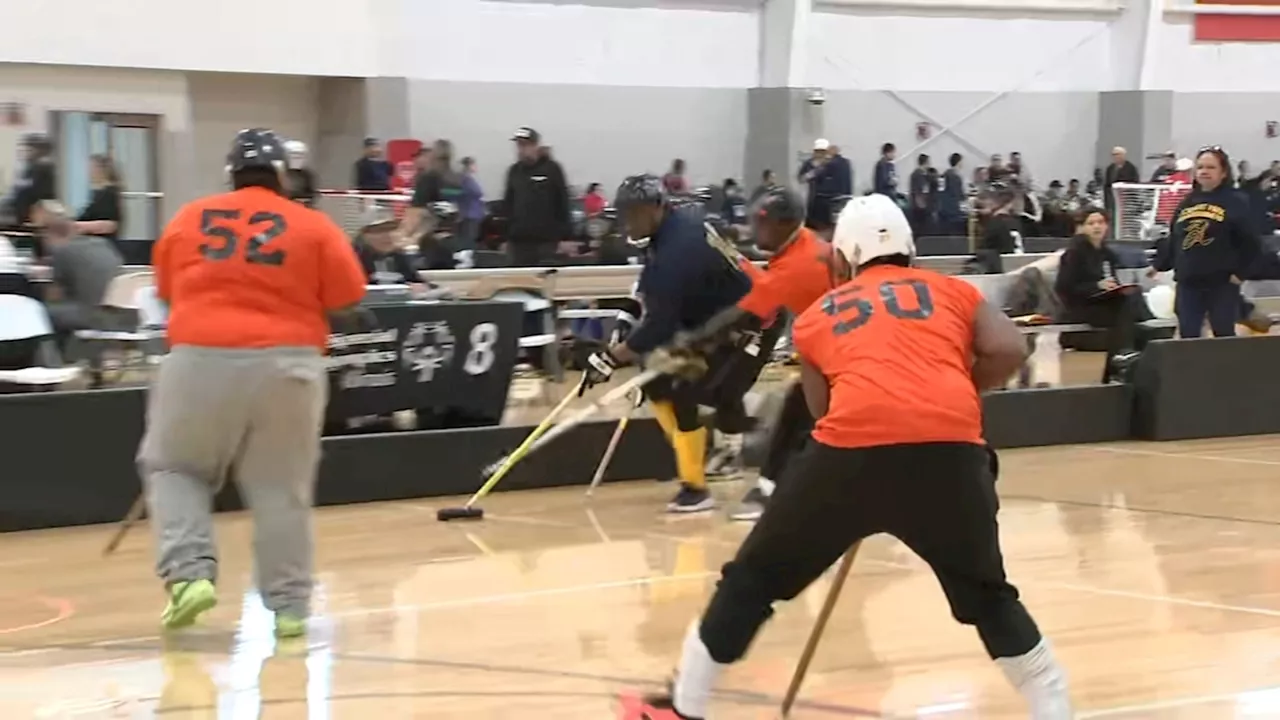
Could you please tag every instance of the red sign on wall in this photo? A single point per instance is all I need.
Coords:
(1238, 28)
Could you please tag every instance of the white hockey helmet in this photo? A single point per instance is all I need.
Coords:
(295, 154)
(870, 227)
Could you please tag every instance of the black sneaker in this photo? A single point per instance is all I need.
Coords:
(751, 507)
(691, 500)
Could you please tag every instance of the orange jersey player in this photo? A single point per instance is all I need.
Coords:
(795, 277)
(892, 363)
(251, 278)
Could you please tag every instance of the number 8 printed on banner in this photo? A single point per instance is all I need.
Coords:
(480, 356)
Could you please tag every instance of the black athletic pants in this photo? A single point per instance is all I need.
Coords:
(937, 498)
(732, 368)
(789, 433)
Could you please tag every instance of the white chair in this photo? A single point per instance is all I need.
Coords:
(130, 300)
(25, 322)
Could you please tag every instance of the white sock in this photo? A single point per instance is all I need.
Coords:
(695, 677)
(766, 485)
(1041, 680)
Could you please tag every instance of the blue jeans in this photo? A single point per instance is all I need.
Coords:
(1220, 302)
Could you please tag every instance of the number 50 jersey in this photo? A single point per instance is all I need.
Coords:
(896, 347)
(253, 269)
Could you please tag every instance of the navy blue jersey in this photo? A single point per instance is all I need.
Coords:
(686, 280)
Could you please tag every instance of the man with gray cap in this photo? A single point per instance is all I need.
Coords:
(83, 267)
(536, 203)
(829, 176)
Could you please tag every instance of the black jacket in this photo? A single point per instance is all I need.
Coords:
(104, 204)
(1212, 238)
(1080, 270)
(39, 182)
(685, 280)
(536, 202)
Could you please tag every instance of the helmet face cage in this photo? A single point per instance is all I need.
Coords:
(638, 191)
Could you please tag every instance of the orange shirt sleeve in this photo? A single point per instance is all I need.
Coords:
(341, 277)
(766, 294)
(161, 253)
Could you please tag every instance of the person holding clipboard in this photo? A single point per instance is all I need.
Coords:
(1091, 292)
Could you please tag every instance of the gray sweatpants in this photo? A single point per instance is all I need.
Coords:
(255, 415)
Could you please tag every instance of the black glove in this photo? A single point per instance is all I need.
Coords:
(600, 367)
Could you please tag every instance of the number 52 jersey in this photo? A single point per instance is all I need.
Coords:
(896, 347)
(253, 269)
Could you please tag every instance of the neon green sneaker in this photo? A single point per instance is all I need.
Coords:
(290, 626)
(187, 602)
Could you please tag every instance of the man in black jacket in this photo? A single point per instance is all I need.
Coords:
(536, 203)
(1119, 171)
(39, 180)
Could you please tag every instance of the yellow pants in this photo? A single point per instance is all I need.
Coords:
(689, 446)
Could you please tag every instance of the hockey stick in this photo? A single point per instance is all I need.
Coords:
(608, 451)
(494, 473)
(131, 518)
(820, 625)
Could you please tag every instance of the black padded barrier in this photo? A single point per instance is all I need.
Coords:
(68, 457)
(1057, 416)
(1207, 388)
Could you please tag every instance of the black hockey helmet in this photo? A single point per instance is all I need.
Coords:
(779, 204)
(639, 190)
(256, 148)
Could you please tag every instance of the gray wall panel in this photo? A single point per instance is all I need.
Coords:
(1055, 132)
(1236, 121)
(599, 134)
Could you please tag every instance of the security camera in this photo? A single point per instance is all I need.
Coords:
(816, 96)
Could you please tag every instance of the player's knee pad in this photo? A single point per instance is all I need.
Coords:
(1006, 629)
(741, 605)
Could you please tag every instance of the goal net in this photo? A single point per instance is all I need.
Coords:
(350, 209)
(1144, 211)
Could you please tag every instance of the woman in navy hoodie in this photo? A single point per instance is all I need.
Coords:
(1211, 246)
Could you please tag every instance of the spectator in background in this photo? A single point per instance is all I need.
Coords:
(594, 202)
(1119, 171)
(438, 183)
(372, 172)
(378, 247)
(981, 179)
(1091, 292)
(1211, 247)
(768, 181)
(828, 176)
(674, 181)
(951, 194)
(300, 182)
(1018, 171)
(536, 203)
(1002, 232)
(421, 162)
(923, 184)
(885, 181)
(472, 207)
(103, 215)
(83, 268)
(39, 179)
(1168, 166)
(1243, 174)
(997, 171)
(734, 209)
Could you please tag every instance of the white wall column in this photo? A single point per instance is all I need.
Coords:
(784, 36)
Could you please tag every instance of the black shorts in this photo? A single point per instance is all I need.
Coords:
(732, 369)
(937, 498)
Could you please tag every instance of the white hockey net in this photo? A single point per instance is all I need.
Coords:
(350, 209)
(1144, 211)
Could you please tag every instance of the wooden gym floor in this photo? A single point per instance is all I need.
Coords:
(1154, 568)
